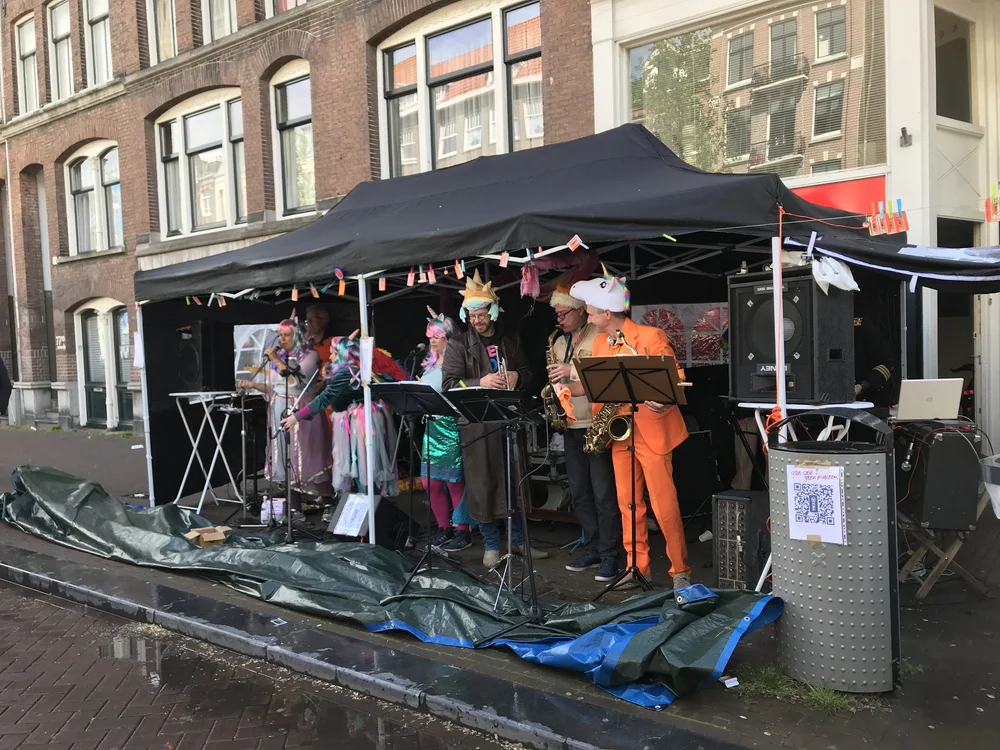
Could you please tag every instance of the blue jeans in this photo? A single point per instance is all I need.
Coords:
(491, 533)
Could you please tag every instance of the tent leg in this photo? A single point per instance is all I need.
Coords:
(781, 398)
(145, 404)
(369, 414)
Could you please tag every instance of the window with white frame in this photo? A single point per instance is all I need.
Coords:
(162, 30)
(27, 67)
(202, 180)
(402, 109)
(296, 188)
(831, 32)
(740, 66)
(829, 108)
(97, 40)
(94, 198)
(219, 19)
(60, 51)
(273, 7)
(737, 132)
(238, 160)
(523, 58)
(443, 81)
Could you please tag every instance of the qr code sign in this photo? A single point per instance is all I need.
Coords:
(813, 503)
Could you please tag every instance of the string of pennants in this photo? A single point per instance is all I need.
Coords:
(887, 222)
(418, 274)
(992, 205)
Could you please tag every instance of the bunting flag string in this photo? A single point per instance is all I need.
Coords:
(992, 205)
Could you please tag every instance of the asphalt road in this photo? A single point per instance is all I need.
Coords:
(74, 679)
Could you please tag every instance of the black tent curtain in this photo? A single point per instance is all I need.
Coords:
(619, 186)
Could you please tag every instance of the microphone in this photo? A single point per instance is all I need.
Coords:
(417, 350)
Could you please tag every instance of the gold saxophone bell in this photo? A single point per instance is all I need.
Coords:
(608, 425)
(620, 428)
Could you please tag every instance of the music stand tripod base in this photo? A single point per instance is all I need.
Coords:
(411, 400)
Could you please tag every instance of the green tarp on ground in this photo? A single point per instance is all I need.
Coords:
(647, 650)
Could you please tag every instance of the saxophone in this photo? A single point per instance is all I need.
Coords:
(553, 409)
(608, 424)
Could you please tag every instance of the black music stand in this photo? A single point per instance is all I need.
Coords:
(510, 410)
(631, 379)
(412, 400)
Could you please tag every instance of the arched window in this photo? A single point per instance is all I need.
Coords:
(111, 182)
(460, 83)
(202, 183)
(293, 153)
(93, 199)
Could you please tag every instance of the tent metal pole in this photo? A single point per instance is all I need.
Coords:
(779, 334)
(369, 413)
(145, 405)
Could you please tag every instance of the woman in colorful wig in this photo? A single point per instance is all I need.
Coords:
(443, 443)
(344, 395)
(309, 444)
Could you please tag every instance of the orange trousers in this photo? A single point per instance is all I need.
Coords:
(655, 472)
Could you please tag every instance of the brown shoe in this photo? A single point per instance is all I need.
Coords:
(681, 580)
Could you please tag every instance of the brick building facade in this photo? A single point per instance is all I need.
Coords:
(139, 134)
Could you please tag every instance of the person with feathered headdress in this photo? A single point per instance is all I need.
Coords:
(446, 480)
(487, 357)
(657, 430)
(293, 376)
(343, 393)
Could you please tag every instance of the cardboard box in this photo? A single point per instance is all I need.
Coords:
(208, 535)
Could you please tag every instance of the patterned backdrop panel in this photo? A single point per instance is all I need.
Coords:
(696, 331)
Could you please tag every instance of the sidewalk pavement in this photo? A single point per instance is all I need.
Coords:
(951, 661)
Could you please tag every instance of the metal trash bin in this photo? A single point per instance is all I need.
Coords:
(840, 627)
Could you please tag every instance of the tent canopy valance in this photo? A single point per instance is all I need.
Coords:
(622, 185)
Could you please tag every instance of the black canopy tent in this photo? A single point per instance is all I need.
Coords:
(619, 186)
(622, 192)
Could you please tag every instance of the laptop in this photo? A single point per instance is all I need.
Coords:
(921, 400)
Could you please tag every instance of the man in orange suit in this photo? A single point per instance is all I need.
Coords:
(657, 429)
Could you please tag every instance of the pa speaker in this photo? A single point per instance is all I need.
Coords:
(819, 339)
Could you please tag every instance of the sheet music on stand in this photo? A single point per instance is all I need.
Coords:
(649, 378)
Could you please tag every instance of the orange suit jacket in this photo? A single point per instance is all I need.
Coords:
(661, 432)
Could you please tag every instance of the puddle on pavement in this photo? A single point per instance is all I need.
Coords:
(222, 685)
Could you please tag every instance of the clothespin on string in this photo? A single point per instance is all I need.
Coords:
(381, 283)
(459, 269)
(431, 276)
(314, 291)
(342, 283)
(410, 277)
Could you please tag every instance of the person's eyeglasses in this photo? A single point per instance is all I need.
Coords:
(479, 317)
(561, 316)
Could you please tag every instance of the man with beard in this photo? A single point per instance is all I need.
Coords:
(486, 357)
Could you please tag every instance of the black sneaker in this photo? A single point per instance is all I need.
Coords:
(608, 571)
(442, 536)
(586, 561)
(461, 540)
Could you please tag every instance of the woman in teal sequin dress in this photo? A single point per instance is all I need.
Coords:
(443, 443)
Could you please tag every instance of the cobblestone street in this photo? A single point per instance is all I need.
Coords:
(76, 679)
